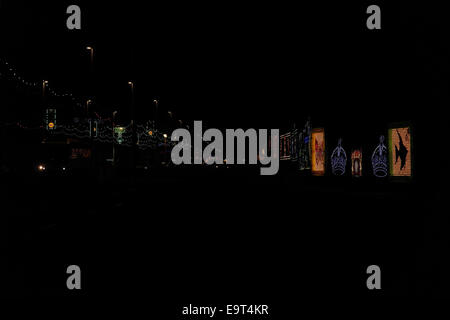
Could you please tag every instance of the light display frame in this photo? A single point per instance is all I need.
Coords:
(315, 169)
(285, 146)
(380, 159)
(357, 154)
(338, 160)
(304, 147)
(294, 145)
(391, 151)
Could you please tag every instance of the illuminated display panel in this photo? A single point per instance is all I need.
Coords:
(338, 160)
(318, 152)
(294, 145)
(285, 146)
(380, 165)
(304, 147)
(400, 152)
(357, 163)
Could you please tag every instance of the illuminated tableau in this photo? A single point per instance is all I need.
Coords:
(285, 146)
(380, 160)
(357, 163)
(304, 147)
(318, 152)
(294, 145)
(400, 152)
(338, 160)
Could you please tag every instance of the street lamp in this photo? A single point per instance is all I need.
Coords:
(156, 102)
(44, 85)
(133, 128)
(90, 78)
(131, 84)
(87, 106)
(91, 50)
(114, 138)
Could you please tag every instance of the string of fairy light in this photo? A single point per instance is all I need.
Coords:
(9, 72)
(147, 137)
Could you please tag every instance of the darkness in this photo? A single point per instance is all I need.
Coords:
(207, 238)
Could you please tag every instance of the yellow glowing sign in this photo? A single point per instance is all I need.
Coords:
(318, 152)
(51, 125)
(400, 152)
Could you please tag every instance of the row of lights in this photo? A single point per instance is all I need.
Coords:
(130, 83)
(42, 168)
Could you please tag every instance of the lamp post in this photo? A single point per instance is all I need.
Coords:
(133, 131)
(114, 138)
(91, 51)
(131, 84)
(90, 81)
(44, 102)
(88, 103)
(156, 102)
(44, 85)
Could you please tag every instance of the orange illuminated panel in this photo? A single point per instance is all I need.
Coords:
(400, 152)
(357, 163)
(318, 152)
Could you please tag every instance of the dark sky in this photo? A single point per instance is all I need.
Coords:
(262, 65)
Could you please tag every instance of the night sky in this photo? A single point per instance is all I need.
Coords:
(234, 64)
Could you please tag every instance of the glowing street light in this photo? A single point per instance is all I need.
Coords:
(156, 102)
(88, 103)
(91, 50)
(131, 84)
(44, 85)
